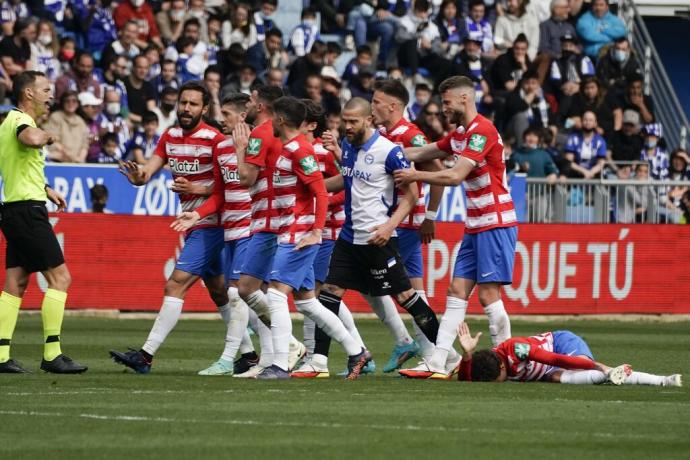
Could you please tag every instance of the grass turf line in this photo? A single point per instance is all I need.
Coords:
(173, 413)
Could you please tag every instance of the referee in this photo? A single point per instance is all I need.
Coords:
(31, 243)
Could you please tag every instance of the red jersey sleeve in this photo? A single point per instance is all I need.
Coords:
(337, 199)
(307, 170)
(261, 143)
(563, 361)
(413, 137)
(480, 142)
(160, 148)
(331, 167)
(444, 144)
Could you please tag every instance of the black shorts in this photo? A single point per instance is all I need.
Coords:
(369, 269)
(31, 243)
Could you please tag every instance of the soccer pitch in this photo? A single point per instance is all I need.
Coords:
(173, 413)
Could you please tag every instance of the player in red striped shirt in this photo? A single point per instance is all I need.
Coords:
(300, 202)
(487, 253)
(188, 151)
(559, 357)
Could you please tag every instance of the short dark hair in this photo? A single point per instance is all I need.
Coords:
(421, 5)
(536, 130)
(167, 62)
(23, 81)
(393, 88)
(269, 94)
(635, 78)
(292, 109)
(318, 47)
(191, 21)
(149, 117)
(270, 2)
(455, 82)
(486, 366)
(215, 68)
(274, 32)
(66, 94)
(315, 114)
(364, 49)
(99, 191)
(474, 3)
(422, 87)
(521, 38)
(334, 47)
(196, 85)
(238, 101)
(530, 74)
(309, 11)
(168, 90)
(109, 137)
(140, 56)
(183, 42)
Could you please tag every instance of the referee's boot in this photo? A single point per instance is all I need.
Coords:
(12, 367)
(63, 365)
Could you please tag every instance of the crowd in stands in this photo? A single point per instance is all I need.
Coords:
(558, 77)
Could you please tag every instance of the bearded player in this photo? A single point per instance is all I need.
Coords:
(188, 150)
(486, 255)
(558, 357)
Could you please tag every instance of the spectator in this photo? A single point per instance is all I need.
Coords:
(532, 159)
(113, 76)
(422, 95)
(585, 151)
(604, 104)
(140, 13)
(333, 86)
(477, 27)
(110, 149)
(45, 50)
(143, 143)
(170, 21)
(363, 85)
(197, 10)
(599, 27)
(517, 20)
(90, 111)
(451, 27)
(99, 27)
(685, 208)
(215, 42)
(508, 68)
(334, 123)
(551, 30)
(166, 79)
(99, 199)
(243, 82)
(305, 34)
(240, 28)
(626, 144)
(191, 30)
(470, 63)
(333, 52)
(166, 113)
(618, 66)
(420, 44)
(80, 79)
(268, 54)
(568, 71)
(68, 49)
(654, 151)
(678, 171)
(190, 66)
(315, 92)
(111, 121)
(10, 11)
(635, 203)
(275, 77)
(140, 93)
(635, 99)
(309, 64)
(263, 19)
(383, 24)
(526, 106)
(125, 45)
(429, 122)
(332, 22)
(153, 55)
(70, 129)
(15, 49)
(362, 60)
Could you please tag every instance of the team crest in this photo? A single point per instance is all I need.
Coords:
(418, 140)
(369, 158)
(254, 146)
(309, 164)
(477, 142)
(522, 350)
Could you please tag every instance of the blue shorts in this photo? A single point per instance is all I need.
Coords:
(259, 255)
(202, 252)
(487, 257)
(410, 247)
(295, 268)
(567, 343)
(233, 257)
(323, 260)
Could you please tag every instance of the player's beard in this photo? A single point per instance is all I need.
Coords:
(356, 138)
(187, 125)
(456, 117)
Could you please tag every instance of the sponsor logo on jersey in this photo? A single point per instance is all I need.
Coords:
(521, 350)
(183, 166)
(230, 175)
(356, 173)
(477, 142)
(309, 165)
(418, 140)
(254, 146)
(369, 158)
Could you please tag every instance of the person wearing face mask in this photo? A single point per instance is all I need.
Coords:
(170, 22)
(263, 19)
(422, 96)
(305, 34)
(568, 71)
(112, 122)
(141, 13)
(113, 77)
(45, 49)
(167, 116)
(240, 28)
(654, 151)
(470, 63)
(584, 155)
(619, 66)
(599, 27)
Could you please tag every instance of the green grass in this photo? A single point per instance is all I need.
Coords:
(173, 413)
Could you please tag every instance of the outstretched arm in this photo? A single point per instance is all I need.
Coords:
(426, 152)
(138, 174)
(453, 176)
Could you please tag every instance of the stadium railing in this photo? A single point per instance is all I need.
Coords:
(668, 109)
(601, 201)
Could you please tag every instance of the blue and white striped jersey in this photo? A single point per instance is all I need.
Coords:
(370, 195)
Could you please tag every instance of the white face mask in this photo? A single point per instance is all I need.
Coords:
(137, 3)
(309, 22)
(112, 108)
(45, 39)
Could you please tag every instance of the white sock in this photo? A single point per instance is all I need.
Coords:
(499, 322)
(590, 377)
(642, 378)
(425, 345)
(258, 302)
(349, 323)
(330, 323)
(309, 329)
(281, 327)
(385, 309)
(246, 345)
(448, 331)
(265, 339)
(165, 322)
(237, 324)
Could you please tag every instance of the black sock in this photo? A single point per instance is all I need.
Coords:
(322, 342)
(423, 315)
(252, 356)
(148, 357)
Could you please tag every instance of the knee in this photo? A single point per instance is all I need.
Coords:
(459, 292)
(219, 296)
(174, 288)
(488, 295)
(333, 290)
(61, 281)
(245, 288)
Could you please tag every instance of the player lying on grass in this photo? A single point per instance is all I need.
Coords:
(559, 357)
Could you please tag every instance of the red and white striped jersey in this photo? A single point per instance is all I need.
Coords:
(489, 204)
(336, 211)
(407, 134)
(516, 353)
(237, 208)
(295, 168)
(190, 155)
(263, 151)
